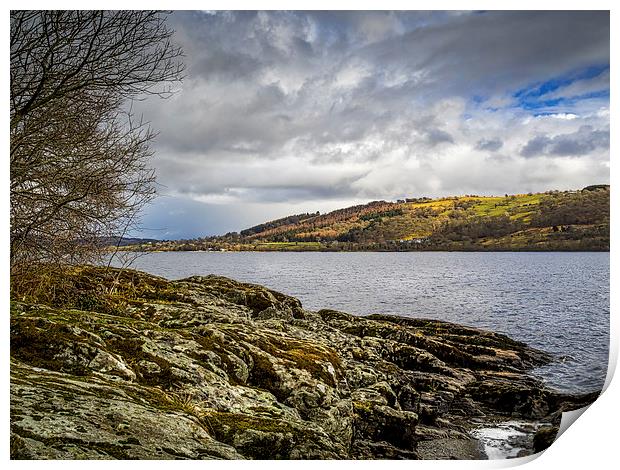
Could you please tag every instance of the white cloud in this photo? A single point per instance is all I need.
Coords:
(292, 110)
(567, 116)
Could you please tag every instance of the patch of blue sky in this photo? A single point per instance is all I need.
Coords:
(533, 96)
(542, 88)
(534, 103)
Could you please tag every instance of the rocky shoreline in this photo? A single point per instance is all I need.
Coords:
(133, 366)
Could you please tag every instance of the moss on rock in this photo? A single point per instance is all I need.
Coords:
(121, 364)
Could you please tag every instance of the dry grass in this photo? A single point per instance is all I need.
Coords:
(106, 290)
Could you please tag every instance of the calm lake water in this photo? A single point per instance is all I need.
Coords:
(558, 302)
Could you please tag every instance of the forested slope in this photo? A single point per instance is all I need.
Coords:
(554, 220)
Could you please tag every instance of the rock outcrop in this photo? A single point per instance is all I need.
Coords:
(207, 367)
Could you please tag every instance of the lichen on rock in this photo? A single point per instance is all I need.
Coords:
(208, 367)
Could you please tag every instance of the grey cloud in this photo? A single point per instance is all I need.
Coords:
(498, 51)
(406, 59)
(351, 97)
(227, 66)
(582, 87)
(261, 184)
(300, 193)
(492, 145)
(582, 142)
(536, 146)
(437, 136)
(578, 143)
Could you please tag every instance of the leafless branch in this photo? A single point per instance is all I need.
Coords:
(79, 160)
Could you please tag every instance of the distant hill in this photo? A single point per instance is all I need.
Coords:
(285, 221)
(550, 221)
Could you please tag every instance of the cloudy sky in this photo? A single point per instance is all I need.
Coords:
(289, 112)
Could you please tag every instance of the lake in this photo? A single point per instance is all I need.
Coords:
(558, 302)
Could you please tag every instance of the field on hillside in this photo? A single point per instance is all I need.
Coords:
(555, 220)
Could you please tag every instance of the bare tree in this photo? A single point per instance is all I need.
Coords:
(79, 159)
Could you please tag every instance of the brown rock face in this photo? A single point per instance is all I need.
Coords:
(207, 367)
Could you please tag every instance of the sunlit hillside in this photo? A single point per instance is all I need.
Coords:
(554, 220)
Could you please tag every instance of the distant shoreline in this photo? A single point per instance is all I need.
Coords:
(363, 251)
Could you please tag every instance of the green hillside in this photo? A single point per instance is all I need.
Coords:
(554, 220)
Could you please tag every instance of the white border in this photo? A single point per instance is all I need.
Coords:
(591, 443)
